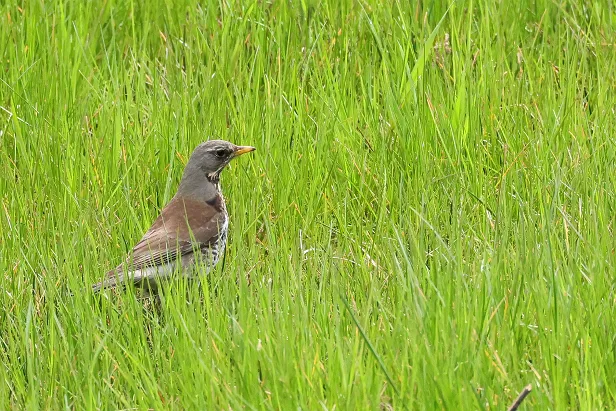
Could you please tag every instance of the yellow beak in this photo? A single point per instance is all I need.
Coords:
(243, 150)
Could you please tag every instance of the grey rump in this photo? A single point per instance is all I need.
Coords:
(191, 229)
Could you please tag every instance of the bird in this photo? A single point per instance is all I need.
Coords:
(191, 230)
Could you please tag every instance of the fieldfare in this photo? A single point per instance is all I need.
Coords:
(191, 229)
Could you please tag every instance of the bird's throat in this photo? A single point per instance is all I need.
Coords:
(199, 188)
(214, 178)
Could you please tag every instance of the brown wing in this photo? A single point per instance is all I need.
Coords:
(183, 225)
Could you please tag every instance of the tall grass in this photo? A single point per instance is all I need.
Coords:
(427, 223)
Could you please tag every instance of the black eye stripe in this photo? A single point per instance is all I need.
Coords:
(221, 152)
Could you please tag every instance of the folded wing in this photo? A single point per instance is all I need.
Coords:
(183, 226)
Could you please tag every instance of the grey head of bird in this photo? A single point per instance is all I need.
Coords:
(202, 173)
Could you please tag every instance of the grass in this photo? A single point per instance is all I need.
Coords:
(428, 222)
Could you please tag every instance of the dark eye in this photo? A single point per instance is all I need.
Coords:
(220, 153)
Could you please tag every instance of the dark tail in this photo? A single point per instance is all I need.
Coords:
(112, 279)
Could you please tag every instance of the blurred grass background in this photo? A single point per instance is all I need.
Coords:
(428, 222)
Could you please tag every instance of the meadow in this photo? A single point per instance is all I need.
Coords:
(427, 222)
